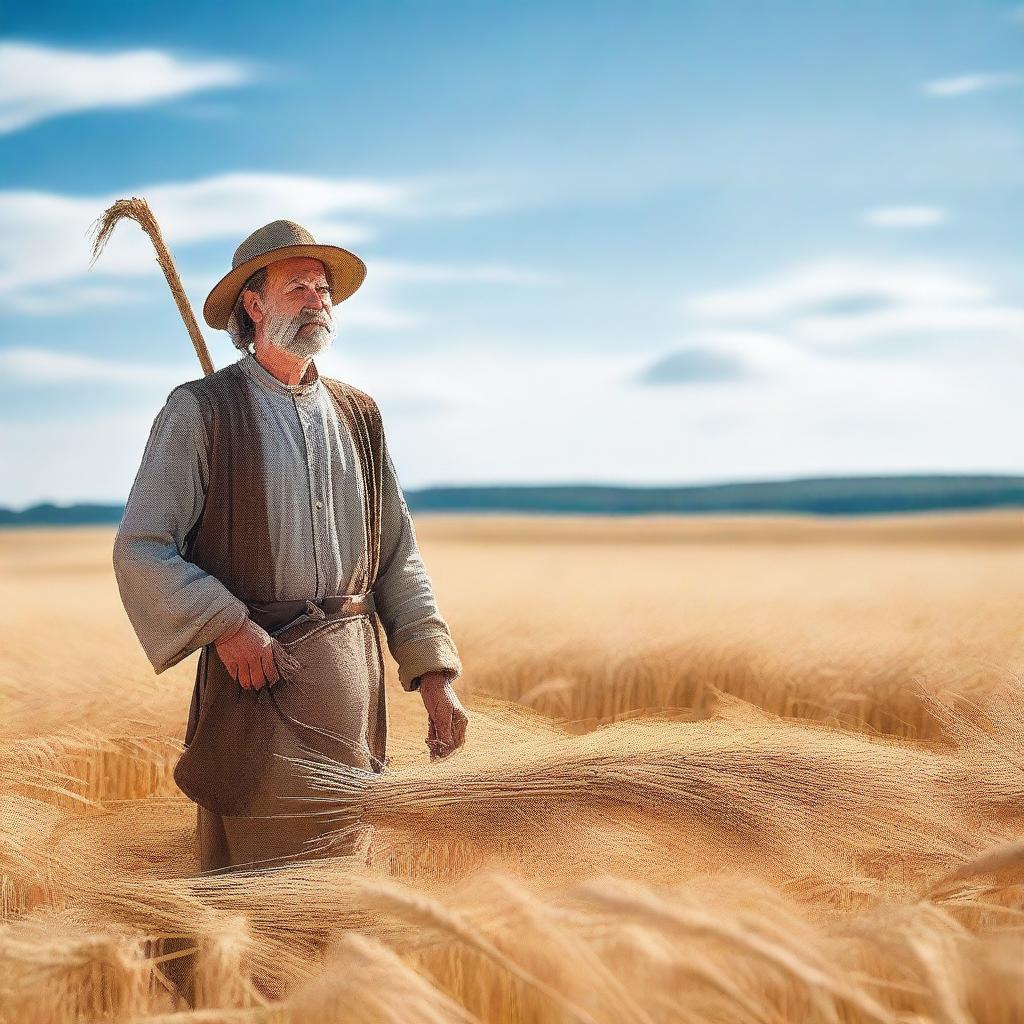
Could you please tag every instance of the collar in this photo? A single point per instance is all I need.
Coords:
(259, 373)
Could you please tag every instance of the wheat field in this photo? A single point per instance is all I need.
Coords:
(717, 769)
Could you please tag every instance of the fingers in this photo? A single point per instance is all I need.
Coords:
(253, 658)
(269, 665)
(244, 678)
(460, 722)
(458, 734)
(443, 721)
(433, 743)
(256, 675)
(447, 731)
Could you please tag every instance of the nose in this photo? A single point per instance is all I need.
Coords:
(314, 300)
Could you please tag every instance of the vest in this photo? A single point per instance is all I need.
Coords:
(230, 734)
(231, 539)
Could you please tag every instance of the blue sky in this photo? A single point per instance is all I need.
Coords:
(607, 242)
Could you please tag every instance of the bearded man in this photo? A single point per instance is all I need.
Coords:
(267, 528)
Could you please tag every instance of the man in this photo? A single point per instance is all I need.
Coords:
(266, 526)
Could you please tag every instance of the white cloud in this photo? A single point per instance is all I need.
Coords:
(446, 273)
(837, 304)
(46, 241)
(964, 85)
(763, 352)
(904, 216)
(376, 315)
(44, 263)
(837, 283)
(39, 82)
(28, 365)
(47, 302)
(968, 319)
(456, 416)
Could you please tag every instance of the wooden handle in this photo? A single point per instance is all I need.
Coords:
(139, 211)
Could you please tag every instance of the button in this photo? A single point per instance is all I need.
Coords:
(319, 504)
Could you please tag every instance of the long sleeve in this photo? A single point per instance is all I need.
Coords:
(418, 637)
(173, 605)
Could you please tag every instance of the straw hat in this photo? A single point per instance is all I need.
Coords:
(281, 240)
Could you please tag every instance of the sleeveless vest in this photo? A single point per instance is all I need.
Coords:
(231, 539)
(228, 764)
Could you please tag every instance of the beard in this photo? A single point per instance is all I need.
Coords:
(283, 332)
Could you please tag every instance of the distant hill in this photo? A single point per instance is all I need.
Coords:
(812, 495)
(865, 495)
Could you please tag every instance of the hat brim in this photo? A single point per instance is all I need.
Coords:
(345, 273)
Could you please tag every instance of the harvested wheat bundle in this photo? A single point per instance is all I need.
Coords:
(139, 211)
(771, 782)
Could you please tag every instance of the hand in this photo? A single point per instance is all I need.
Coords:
(448, 718)
(253, 657)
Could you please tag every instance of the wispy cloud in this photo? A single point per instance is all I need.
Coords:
(693, 366)
(717, 355)
(39, 82)
(845, 304)
(969, 319)
(837, 284)
(447, 273)
(46, 245)
(49, 302)
(826, 416)
(28, 365)
(904, 216)
(964, 85)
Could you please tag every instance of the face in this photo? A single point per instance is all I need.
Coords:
(295, 309)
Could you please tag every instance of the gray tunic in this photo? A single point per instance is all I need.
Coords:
(315, 511)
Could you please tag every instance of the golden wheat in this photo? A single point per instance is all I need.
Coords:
(743, 769)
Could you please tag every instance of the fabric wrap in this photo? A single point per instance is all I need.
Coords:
(334, 706)
(237, 740)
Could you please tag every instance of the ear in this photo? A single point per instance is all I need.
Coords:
(253, 305)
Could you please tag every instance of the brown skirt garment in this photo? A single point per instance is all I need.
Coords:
(236, 844)
(256, 807)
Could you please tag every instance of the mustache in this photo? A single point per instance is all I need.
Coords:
(314, 318)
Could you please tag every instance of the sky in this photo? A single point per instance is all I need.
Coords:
(636, 243)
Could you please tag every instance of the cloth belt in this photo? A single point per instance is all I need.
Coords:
(275, 615)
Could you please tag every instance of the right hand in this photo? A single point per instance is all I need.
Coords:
(253, 657)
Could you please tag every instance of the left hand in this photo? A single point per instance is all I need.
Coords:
(448, 718)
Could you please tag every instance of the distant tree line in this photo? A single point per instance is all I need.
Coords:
(865, 495)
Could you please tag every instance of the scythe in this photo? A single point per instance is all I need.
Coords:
(139, 211)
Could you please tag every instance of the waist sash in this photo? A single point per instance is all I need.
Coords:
(333, 707)
(277, 616)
